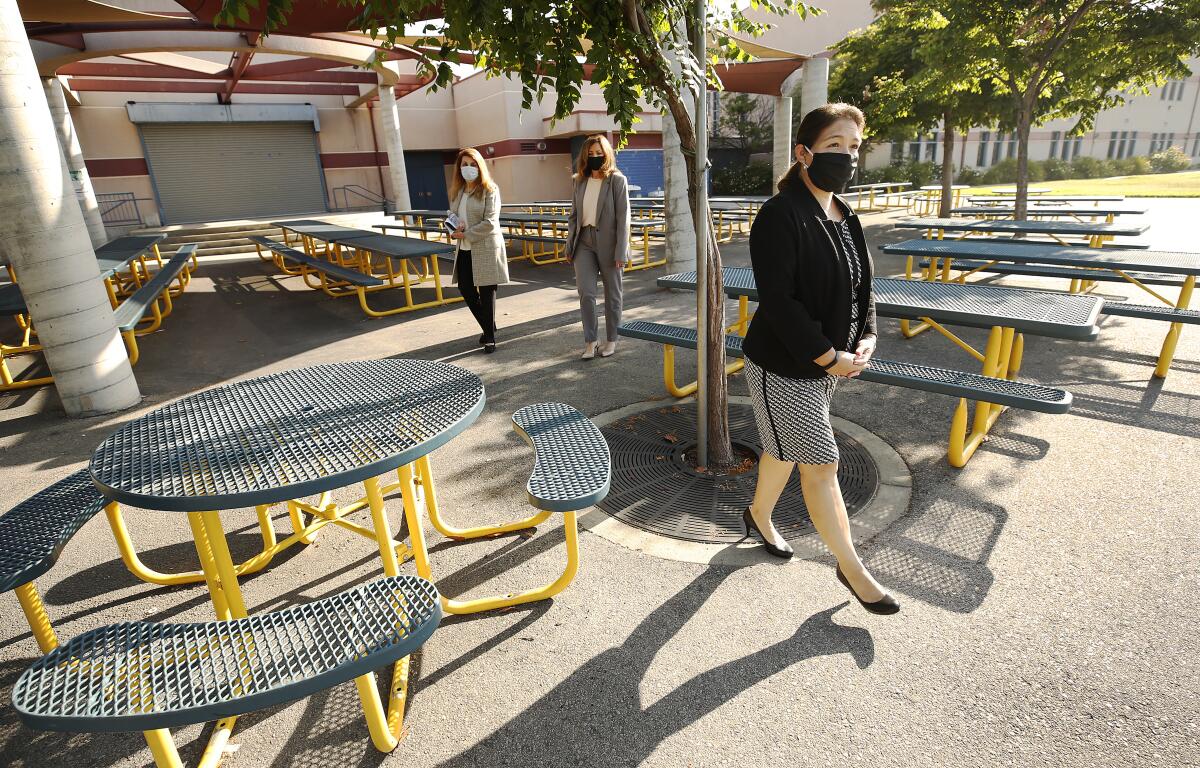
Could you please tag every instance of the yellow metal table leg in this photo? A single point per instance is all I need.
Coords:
(1167, 354)
(162, 747)
(221, 577)
(35, 614)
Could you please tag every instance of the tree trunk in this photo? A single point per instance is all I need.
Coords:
(1024, 118)
(947, 167)
(656, 68)
(45, 240)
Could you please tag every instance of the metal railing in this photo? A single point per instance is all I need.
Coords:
(119, 209)
(373, 200)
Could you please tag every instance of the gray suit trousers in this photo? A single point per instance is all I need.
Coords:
(588, 265)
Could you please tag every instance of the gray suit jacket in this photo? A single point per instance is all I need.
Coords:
(612, 218)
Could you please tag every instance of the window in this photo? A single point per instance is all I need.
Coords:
(1196, 145)
(1112, 145)
(1054, 137)
(1121, 145)
(931, 147)
(1132, 143)
(914, 150)
(897, 151)
(1078, 146)
(983, 146)
(1154, 142)
(1012, 145)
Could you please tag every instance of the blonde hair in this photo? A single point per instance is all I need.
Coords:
(457, 182)
(610, 158)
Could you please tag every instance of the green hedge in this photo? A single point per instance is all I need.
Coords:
(751, 179)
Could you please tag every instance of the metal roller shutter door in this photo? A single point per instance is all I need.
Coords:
(215, 171)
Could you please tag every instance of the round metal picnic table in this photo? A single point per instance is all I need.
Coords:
(281, 437)
(286, 435)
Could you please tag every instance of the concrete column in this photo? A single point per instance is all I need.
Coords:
(814, 85)
(44, 238)
(781, 143)
(681, 232)
(390, 119)
(73, 153)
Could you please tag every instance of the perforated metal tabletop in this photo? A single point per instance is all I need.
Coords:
(286, 435)
(114, 255)
(395, 246)
(1167, 262)
(1056, 315)
(321, 230)
(1026, 227)
(11, 300)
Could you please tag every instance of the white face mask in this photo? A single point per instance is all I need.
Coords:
(470, 172)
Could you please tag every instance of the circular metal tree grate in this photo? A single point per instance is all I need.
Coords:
(655, 489)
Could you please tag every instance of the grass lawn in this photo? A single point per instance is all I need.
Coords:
(1184, 184)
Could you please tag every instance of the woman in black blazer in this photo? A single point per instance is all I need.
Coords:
(815, 324)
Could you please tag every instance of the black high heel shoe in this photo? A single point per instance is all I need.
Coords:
(785, 551)
(885, 606)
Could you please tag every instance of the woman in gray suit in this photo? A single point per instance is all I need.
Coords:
(598, 239)
(480, 264)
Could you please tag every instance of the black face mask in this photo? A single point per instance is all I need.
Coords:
(595, 163)
(832, 171)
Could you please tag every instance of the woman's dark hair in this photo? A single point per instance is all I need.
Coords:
(813, 124)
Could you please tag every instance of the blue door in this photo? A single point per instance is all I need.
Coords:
(426, 180)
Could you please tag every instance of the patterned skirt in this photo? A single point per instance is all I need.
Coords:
(793, 415)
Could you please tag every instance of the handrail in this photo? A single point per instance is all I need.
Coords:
(373, 198)
(119, 208)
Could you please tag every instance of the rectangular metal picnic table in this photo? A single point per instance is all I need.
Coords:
(1009, 313)
(1120, 262)
(123, 268)
(1047, 199)
(1095, 232)
(885, 188)
(388, 258)
(1109, 212)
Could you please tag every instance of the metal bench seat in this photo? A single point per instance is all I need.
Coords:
(1070, 273)
(32, 536)
(336, 271)
(1152, 312)
(34, 533)
(147, 676)
(134, 308)
(572, 471)
(572, 465)
(1017, 394)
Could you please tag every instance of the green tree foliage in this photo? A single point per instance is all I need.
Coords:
(546, 45)
(891, 70)
(1054, 59)
(747, 123)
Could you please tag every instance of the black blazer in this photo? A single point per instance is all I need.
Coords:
(803, 284)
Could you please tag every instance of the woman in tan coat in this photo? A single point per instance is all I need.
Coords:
(480, 264)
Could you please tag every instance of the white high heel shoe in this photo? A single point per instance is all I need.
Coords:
(608, 348)
(589, 351)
